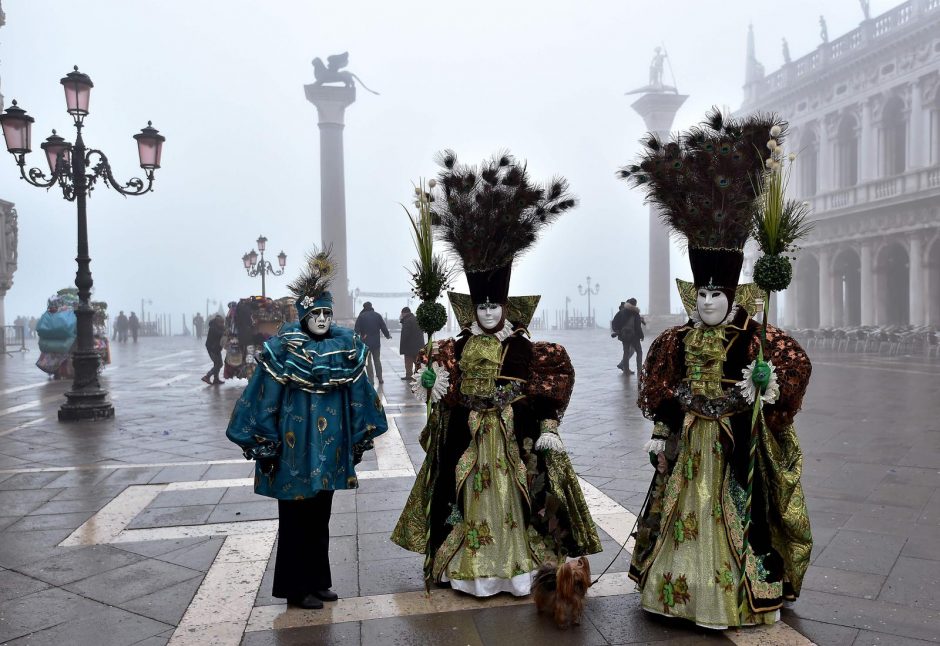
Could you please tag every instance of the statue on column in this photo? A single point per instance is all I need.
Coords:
(656, 67)
(333, 72)
(786, 52)
(823, 29)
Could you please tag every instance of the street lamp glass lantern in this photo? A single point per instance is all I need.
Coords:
(246, 260)
(56, 147)
(262, 241)
(282, 259)
(77, 92)
(17, 129)
(252, 257)
(149, 147)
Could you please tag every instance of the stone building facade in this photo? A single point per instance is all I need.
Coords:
(864, 112)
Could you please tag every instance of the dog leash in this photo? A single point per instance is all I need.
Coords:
(629, 534)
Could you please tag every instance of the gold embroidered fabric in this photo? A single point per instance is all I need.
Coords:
(492, 480)
(479, 365)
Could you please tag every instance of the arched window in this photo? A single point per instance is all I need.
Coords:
(808, 156)
(893, 138)
(846, 150)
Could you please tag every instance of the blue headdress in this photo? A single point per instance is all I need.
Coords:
(310, 287)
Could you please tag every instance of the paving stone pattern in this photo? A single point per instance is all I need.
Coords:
(870, 432)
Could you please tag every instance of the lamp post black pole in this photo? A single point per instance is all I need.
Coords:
(87, 399)
(589, 291)
(261, 268)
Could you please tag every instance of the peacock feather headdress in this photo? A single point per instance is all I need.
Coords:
(311, 286)
(492, 214)
(706, 182)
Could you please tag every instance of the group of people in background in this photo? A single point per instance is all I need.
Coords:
(125, 325)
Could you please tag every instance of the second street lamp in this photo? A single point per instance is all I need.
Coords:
(255, 266)
(76, 170)
(590, 292)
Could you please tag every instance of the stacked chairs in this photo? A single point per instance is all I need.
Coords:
(891, 340)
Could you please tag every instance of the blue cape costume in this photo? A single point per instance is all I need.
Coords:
(310, 408)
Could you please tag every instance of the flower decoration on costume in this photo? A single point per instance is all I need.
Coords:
(438, 387)
(764, 381)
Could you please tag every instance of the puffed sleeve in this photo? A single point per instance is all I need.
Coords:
(551, 380)
(254, 422)
(793, 370)
(662, 373)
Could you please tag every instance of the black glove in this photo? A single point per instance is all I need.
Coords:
(360, 448)
(268, 466)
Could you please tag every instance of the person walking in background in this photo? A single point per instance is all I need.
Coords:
(627, 325)
(134, 326)
(120, 327)
(369, 324)
(32, 327)
(214, 347)
(198, 324)
(412, 340)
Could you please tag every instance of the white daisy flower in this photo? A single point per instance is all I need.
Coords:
(749, 389)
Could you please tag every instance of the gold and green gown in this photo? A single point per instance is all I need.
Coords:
(487, 509)
(688, 559)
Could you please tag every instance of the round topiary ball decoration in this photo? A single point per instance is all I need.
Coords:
(773, 273)
(432, 317)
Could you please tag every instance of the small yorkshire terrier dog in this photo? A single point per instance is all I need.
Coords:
(560, 590)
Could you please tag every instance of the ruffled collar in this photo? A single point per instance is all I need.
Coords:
(501, 335)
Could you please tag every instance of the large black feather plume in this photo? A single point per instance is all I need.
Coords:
(705, 180)
(491, 214)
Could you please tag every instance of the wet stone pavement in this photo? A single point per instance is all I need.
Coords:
(144, 529)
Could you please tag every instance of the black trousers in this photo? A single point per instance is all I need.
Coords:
(302, 565)
(216, 356)
(629, 347)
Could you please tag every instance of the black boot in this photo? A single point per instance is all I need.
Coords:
(307, 602)
(326, 595)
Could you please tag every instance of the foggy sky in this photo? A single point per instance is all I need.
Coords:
(223, 81)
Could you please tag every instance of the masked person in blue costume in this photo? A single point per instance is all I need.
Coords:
(306, 417)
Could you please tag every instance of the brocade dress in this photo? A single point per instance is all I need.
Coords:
(689, 553)
(487, 508)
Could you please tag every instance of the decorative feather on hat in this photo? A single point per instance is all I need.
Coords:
(491, 214)
(705, 182)
(311, 286)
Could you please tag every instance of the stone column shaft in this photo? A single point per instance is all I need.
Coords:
(918, 130)
(868, 285)
(825, 289)
(867, 148)
(824, 182)
(331, 103)
(916, 282)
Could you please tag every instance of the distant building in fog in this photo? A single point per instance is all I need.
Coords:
(864, 112)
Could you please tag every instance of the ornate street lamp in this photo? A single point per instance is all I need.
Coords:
(76, 170)
(589, 292)
(255, 267)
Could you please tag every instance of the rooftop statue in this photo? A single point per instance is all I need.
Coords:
(333, 72)
(656, 84)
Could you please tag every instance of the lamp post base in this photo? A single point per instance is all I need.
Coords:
(86, 405)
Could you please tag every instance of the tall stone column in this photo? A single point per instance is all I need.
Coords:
(658, 110)
(867, 275)
(825, 289)
(331, 103)
(919, 129)
(824, 167)
(9, 233)
(916, 281)
(867, 145)
(792, 297)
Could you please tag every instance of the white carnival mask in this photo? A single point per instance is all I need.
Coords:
(319, 320)
(489, 315)
(712, 306)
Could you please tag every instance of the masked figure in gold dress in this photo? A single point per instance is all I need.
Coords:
(496, 496)
(691, 558)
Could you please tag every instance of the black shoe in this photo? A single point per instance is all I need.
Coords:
(326, 595)
(405, 378)
(307, 602)
(381, 381)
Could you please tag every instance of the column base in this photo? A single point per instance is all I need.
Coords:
(86, 405)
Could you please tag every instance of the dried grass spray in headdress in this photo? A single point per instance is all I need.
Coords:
(705, 182)
(311, 286)
(491, 214)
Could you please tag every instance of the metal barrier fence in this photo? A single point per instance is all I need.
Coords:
(14, 340)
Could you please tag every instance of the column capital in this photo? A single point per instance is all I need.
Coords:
(331, 101)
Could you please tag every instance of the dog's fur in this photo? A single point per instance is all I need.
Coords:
(561, 590)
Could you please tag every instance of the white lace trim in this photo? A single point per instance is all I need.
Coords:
(655, 446)
(519, 585)
(698, 322)
(501, 335)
